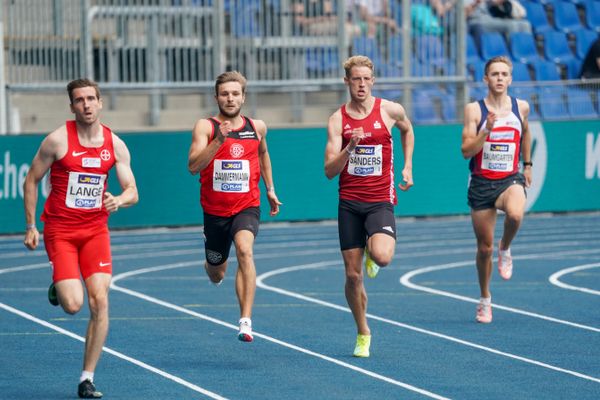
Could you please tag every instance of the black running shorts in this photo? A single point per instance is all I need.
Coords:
(358, 220)
(484, 192)
(219, 232)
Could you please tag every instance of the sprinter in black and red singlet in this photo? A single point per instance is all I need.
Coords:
(230, 152)
(495, 136)
(360, 150)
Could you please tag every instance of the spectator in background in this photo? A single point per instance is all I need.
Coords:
(590, 69)
(319, 17)
(480, 19)
(376, 17)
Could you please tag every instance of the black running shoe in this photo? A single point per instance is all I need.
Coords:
(87, 390)
(52, 297)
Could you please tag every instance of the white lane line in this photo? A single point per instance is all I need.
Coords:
(24, 268)
(406, 281)
(554, 278)
(260, 283)
(257, 334)
(114, 353)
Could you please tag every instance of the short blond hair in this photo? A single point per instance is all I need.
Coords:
(498, 59)
(357, 61)
(230, 76)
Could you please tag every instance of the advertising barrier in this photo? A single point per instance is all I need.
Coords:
(566, 175)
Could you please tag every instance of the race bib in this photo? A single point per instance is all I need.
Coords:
(498, 157)
(231, 176)
(84, 191)
(366, 161)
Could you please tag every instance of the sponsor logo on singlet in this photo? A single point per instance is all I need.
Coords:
(366, 161)
(84, 191)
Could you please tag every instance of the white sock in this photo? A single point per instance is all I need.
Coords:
(245, 321)
(486, 301)
(86, 375)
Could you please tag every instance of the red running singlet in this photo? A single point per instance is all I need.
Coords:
(78, 182)
(499, 156)
(368, 176)
(229, 184)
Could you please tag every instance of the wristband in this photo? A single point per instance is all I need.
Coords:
(348, 150)
(29, 227)
(270, 188)
(527, 164)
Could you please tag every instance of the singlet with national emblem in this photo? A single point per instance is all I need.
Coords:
(499, 156)
(78, 182)
(368, 176)
(229, 184)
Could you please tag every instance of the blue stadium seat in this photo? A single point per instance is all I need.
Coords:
(537, 17)
(529, 96)
(477, 92)
(367, 46)
(522, 82)
(552, 104)
(546, 71)
(579, 103)
(566, 17)
(244, 18)
(557, 49)
(492, 45)
(430, 50)
(424, 110)
(592, 15)
(583, 40)
(448, 104)
(472, 52)
(322, 61)
(478, 69)
(523, 47)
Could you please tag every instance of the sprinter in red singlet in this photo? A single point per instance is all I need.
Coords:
(230, 152)
(360, 150)
(495, 135)
(79, 156)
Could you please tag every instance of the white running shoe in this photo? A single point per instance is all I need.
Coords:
(484, 313)
(505, 264)
(245, 333)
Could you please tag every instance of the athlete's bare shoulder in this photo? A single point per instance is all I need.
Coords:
(523, 107)
(393, 109)
(56, 143)
(260, 126)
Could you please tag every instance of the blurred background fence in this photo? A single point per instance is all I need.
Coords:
(156, 60)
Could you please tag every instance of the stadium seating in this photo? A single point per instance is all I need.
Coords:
(557, 49)
(492, 45)
(546, 71)
(583, 40)
(552, 104)
(322, 61)
(566, 17)
(424, 110)
(579, 103)
(537, 17)
(592, 15)
(523, 47)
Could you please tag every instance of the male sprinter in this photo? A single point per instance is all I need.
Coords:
(359, 149)
(79, 156)
(495, 133)
(230, 152)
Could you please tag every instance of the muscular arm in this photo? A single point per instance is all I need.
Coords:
(407, 137)
(201, 151)
(472, 141)
(526, 141)
(49, 151)
(336, 157)
(129, 194)
(266, 170)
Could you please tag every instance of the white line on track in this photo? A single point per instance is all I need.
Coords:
(554, 278)
(406, 281)
(260, 283)
(114, 353)
(257, 334)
